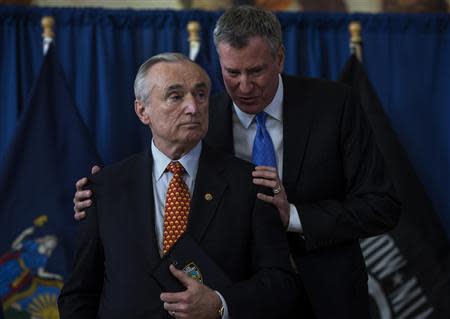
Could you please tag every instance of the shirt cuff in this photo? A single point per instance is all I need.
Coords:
(295, 225)
(225, 308)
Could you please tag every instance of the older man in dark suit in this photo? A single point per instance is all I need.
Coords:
(128, 228)
(329, 180)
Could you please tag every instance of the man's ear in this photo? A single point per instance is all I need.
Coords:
(141, 112)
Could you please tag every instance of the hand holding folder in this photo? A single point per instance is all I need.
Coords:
(189, 256)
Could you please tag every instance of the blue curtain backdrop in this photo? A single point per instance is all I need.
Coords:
(406, 58)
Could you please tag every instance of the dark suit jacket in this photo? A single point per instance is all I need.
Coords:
(118, 248)
(334, 174)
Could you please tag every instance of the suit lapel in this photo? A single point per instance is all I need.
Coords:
(209, 189)
(142, 204)
(297, 122)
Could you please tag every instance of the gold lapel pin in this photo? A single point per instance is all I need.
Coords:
(208, 197)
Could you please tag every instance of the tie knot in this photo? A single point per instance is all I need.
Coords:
(175, 167)
(261, 118)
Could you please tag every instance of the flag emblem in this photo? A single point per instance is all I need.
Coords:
(26, 287)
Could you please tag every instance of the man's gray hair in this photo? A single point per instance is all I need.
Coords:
(238, 24)
(141, 85)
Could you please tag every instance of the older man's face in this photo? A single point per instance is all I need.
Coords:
(177, 110)
(251, 73)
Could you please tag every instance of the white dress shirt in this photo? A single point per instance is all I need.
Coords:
(161, 180)
(244, 131)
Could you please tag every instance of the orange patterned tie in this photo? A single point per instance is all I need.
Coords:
(176, 211)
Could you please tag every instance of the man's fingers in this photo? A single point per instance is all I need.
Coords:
(79, 206)
(280, 203)
(265, 198)
(181, 276)
(79, 215)
(175, 306)
(81, 195)
(266, 168)
(197, 301)
(177, 314)
(95, 169)
(173, 297)
(265, 182)
(81, 183)
(169, 297)
(265, 174)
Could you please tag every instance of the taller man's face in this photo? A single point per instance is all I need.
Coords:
(177, 110)
(251, 73)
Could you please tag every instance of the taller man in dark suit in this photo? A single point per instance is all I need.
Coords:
(331, 186)
(127, 229)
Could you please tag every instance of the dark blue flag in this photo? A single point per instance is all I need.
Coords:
(49, 152)
(409, 267)
(213, 71)
(204, 58)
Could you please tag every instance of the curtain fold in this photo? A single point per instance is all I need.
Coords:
(406, 58)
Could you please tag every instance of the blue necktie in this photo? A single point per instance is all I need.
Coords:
(263, 150)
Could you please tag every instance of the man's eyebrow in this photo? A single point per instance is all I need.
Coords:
(178, 87)
(230, 69)
(251, 69)
(201, 85)
(257, 68)
(174, 87)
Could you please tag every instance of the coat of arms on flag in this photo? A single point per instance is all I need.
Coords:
(27, 289)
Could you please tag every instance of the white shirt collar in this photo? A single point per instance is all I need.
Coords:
(188, 160)
(274, 109)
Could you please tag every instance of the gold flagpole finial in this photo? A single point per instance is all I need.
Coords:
(193, 28)
(355, 39)
(47, 22)
(355, 31)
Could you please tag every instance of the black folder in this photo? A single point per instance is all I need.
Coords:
(187, 255)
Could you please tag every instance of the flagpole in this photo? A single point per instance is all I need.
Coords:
(355, 39)
(47, 24)
(193, 28)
